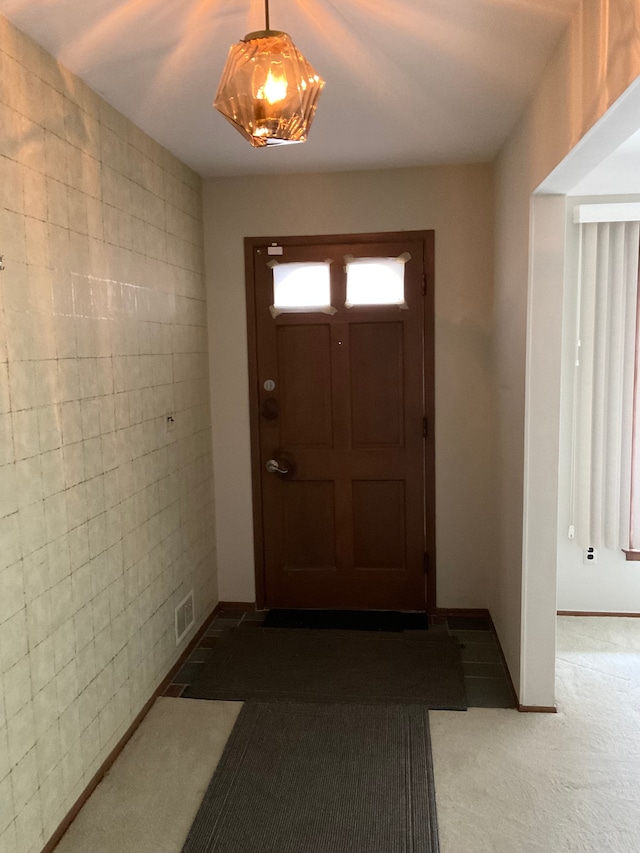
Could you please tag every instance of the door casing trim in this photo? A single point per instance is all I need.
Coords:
(428, 249)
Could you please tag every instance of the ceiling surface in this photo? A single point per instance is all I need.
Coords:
(408, 82)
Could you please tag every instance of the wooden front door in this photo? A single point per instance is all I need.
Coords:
(342, 453)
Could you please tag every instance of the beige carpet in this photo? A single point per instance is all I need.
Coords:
(148, 801)
(563, 783)
(505, 782)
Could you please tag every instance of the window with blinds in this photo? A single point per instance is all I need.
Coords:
(604, 467)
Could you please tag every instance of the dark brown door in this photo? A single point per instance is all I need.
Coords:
(339, 434)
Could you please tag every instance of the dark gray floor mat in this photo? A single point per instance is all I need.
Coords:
(304, 665)
(321, 779)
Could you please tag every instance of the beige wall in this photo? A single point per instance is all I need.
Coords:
(456, 201)
(105, 517)
(594, 63)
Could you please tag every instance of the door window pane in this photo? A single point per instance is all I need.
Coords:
(301, 286)
(375, 281)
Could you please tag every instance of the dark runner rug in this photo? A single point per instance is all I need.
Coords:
(321, 779)
(351, 620)
(289, 665)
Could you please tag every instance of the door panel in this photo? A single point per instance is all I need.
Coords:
(309, 525)
(344, 525)
(304, 363)
(377, 404)
(379, 534)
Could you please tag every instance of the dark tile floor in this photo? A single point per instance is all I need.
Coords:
(484, 674)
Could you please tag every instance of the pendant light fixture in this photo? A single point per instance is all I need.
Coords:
(268, 91)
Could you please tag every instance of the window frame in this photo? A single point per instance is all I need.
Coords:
(632, 553)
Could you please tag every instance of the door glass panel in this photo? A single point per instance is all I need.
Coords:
(375, 281)
(301, 286)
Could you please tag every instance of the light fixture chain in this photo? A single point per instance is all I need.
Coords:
(266, 14)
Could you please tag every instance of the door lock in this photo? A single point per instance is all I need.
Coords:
(270, 409)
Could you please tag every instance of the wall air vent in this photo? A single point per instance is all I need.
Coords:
(184, 617)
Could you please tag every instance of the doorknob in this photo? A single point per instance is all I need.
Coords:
(273, 467)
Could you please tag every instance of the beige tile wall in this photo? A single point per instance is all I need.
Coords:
(106, 517)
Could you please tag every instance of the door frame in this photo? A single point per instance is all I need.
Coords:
(428, 259)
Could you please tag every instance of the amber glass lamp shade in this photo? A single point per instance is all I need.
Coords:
(268, 90)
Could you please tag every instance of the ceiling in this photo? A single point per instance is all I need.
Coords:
(408, 82)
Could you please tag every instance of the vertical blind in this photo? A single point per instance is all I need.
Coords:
(603, 421)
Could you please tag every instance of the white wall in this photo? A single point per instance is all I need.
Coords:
(594, 63)
(613, 585)
(457, 202)
(106, 519)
